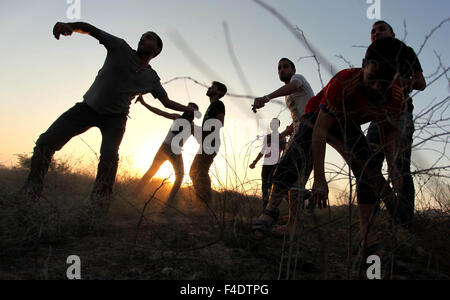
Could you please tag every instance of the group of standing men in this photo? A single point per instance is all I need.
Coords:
(125, 75)
(378, 93)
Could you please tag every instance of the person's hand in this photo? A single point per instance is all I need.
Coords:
(404, 83)
(320, 193)
(139, 99)
(252, 165)
(288, 131)
(190, 109)
(62, 28)
(259, 103)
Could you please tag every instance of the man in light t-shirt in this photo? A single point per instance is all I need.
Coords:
(295, 161)
(296, 91)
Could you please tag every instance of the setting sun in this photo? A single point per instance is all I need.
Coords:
(144, 159)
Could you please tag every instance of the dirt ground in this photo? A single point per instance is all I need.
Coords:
(183, 242)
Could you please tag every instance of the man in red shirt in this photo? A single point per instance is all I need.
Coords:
(352, 97)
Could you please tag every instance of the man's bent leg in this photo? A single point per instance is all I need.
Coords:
(75, 121)
(355, 149)
(407, 193)
(160, 157)
(200, 176)
(113, 129)
(295, 163)
(402, 208)
(178, 166)
(266, 184)
(373, 138)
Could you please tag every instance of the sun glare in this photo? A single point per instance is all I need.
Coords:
(144, 160)
(143, 163)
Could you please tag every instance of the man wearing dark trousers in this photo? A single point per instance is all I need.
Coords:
(170, 149)
(210, 142)
(297, 91)
(412, 79)
(125, 74)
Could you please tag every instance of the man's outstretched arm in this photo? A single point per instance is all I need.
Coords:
(156, 110)
(174, 105)
(288, 131)
(253, 164)
(61, 28)
(282, 91)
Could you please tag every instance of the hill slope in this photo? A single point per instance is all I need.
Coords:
(187, 241)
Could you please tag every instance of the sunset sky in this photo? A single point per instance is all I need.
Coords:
(42, 77)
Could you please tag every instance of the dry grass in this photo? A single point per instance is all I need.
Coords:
(185, 242)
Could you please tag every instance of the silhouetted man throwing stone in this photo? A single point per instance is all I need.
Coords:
(125, 74)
